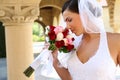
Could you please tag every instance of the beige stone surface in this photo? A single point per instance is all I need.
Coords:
(18, 17)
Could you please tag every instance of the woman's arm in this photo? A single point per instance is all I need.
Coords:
(62, 72)
(119, 58)
(118, 42)
(114, 46)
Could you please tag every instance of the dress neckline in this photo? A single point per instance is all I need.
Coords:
(100, 42)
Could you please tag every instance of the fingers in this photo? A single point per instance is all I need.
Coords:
(55, 53)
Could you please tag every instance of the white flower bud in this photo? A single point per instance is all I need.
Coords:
(59, 36)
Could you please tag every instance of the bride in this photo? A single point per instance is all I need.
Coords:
(98, 52)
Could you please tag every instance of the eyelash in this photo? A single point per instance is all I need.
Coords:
(68, 20)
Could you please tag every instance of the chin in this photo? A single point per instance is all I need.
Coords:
(78, 34)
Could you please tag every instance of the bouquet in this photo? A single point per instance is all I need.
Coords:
(58, 38)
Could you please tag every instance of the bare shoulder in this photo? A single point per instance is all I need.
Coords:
(113, 36)
(114, 46)
(113, 39)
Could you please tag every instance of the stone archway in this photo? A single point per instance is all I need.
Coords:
(41, 23)
(54, 3)
(50, 11)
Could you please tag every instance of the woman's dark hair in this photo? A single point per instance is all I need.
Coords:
(71, 5)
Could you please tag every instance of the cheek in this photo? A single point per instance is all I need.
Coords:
(79, 24)
(78, 28)
(70, 24)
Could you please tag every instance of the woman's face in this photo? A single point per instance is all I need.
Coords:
(73, 22)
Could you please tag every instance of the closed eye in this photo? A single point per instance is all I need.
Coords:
(68, 19)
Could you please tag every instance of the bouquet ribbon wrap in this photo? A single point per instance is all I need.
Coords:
(43, 58)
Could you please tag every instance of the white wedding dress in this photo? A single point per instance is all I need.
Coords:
(99, 67)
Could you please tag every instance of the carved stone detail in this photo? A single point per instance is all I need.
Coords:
(2, 13)
(18, 14)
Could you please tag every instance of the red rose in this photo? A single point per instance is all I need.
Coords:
(70, 47)
(52, 28)
(59, 44)
(52, 35)
(65, 32)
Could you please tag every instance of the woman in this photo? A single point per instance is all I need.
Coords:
(98, 52)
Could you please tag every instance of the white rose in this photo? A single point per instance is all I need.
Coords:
(59, 36)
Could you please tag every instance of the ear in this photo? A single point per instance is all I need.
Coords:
(95, 9)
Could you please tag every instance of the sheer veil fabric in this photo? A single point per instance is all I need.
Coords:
(91, 15)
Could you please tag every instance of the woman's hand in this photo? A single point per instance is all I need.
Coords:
(55, 57)
(62, 72)
(55, 54)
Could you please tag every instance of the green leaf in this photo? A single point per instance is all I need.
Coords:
(63, 49)
(52, 47)
(51, 41)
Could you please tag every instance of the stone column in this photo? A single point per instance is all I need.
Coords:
(18, 17)
(117, 16)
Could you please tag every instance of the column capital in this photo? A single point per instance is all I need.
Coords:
(15, 13)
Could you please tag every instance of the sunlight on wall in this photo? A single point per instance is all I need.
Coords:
(61, 21)
(55, 21)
